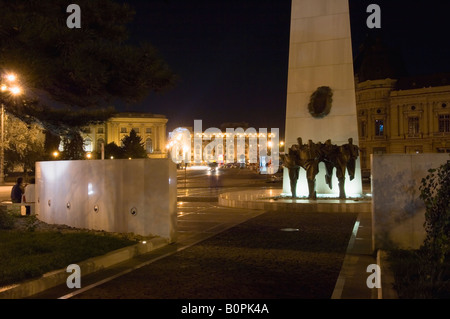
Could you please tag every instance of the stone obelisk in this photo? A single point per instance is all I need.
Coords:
(320, 55)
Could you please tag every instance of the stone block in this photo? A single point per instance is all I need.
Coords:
(398, 213)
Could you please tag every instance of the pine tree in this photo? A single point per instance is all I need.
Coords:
(71, 77)
(133, 147)
(73, 147)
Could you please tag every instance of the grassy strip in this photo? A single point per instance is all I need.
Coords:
(412, 272)
(26, 254)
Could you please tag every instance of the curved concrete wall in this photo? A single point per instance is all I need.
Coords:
(137, 196)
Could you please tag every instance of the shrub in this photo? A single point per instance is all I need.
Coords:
(6, 220)
(434, 191)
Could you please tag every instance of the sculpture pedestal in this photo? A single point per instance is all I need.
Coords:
(271, 199)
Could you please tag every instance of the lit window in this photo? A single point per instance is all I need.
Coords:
(87, 145)
(123, 130)
(149, 145)
(379, 128)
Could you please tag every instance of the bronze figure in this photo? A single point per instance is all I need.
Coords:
(291, 162)
(308, 156)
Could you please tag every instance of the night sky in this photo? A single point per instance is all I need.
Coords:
(232, 56)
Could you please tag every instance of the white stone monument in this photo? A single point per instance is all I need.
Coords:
(320, 55)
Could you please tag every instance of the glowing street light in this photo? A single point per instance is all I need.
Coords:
(11, 77)
(13, 90)
(55, 154)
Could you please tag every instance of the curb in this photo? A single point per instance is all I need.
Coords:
(89, 266)
(254, 200)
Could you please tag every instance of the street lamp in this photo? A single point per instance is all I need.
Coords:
(8, 87)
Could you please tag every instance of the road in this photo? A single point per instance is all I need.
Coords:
(202, 182)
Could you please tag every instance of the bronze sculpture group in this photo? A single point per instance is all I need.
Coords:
(308, 156)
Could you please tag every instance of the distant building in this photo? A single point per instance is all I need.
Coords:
(399, 113)
(244, 150)
(150, 127)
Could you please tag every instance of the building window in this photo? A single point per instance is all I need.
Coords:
(363, 129)
(136, 130)
(379, 128)
(379, 150)
(149, 145)
(443, 150)
(123, 130)
(87, 145)
(413, 149)
(100, 141)
(413, 125)
(148, 130)
(444, 123)
(100, 130)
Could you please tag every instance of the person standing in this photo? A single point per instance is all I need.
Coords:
(17, 191)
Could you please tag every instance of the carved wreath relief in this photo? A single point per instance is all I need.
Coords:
(320, 102)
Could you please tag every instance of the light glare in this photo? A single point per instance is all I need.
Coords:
(15, 90)
(11, 77)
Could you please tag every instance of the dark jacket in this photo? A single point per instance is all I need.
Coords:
(16, 194)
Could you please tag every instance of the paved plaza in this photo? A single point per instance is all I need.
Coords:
(201, 218)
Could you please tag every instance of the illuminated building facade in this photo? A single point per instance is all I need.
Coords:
(150, 127)
(398, 113)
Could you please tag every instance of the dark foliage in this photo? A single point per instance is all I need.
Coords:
(71, 77)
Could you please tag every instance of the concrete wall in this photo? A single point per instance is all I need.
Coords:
(101, 195)
(398, 214)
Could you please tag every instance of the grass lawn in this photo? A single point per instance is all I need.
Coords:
(26, 254)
